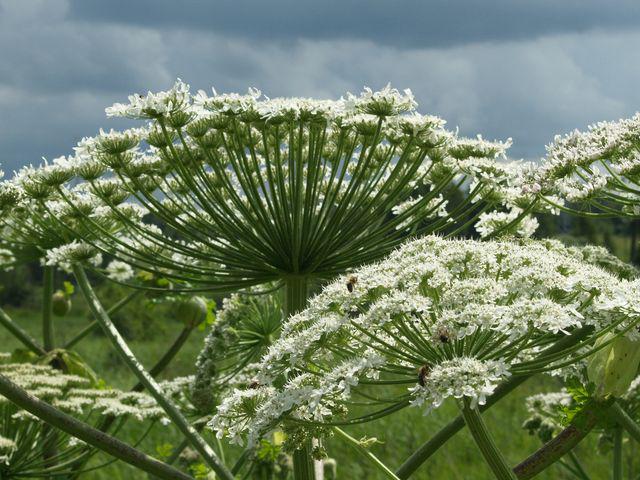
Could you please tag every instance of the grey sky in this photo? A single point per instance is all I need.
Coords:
(502, 68)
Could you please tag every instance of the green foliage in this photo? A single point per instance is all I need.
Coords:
(164, 450)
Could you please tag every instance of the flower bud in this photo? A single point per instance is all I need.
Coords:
(614, 367)
(60, 303)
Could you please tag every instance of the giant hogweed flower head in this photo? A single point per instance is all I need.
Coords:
(251, 189)
(436, 319)
(596, 171)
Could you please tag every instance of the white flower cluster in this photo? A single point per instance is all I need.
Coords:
(512, 222)
(460, 377)
(600, 165)
(152, 104)
(119, 271)
(6, 447)
(75, 252)
(245, 326)
(73, 394)
(450, 317)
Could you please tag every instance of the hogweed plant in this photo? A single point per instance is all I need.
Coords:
(437, 319)
(246, 194)
(250, 190)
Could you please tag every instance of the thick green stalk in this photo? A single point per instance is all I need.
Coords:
(112, 310)
(147, 380)
(49, 450)
(431, 446)
(561, 444)
(617, 453)
(370, 457)
(47, 309)
(20, 334)
(624, 420)
(485, 443)
(295, 299)
(86, 433)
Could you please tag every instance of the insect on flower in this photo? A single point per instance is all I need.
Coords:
(351, 283)
(423, 373)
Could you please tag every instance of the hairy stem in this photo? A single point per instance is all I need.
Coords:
(86, 433)
(485, 443)
(431, 446)
(147, 380)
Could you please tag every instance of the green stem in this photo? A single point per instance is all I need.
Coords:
(562, 443)
(295, 299)
(617, 453)
(432, 445)
(86, 433)
(168, 356)
(357, 446)
(624, 420)
(147, 380)
(485, 443)
(47, 309)
(26, 339)
(95, 325)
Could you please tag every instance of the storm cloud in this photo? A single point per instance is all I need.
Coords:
(501, 68)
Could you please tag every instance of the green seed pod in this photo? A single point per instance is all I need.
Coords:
(614, 367)
(61, 303)
(192, 312)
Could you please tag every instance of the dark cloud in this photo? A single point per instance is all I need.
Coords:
(562, 68)
(406, 23)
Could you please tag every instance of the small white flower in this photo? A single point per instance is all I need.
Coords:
(119, 271)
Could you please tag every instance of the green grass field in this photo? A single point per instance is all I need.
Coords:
(399, 434)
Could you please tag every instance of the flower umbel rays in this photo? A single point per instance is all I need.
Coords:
(250, 189)
(436, 319)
